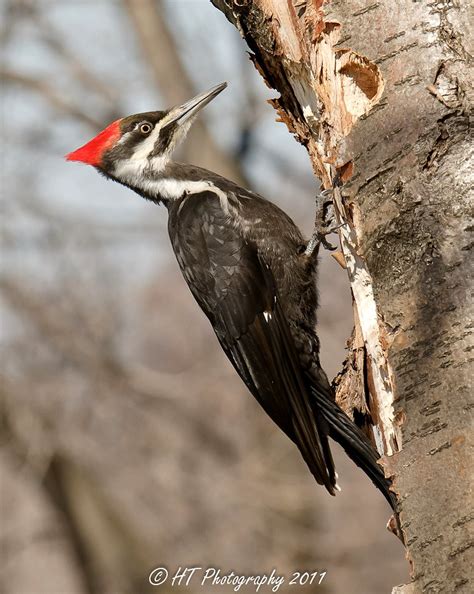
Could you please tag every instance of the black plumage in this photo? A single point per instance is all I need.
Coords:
(245, 265)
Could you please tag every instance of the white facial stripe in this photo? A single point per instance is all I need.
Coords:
(139, 170)
(147, 145)
(144, 148)
(123, 138)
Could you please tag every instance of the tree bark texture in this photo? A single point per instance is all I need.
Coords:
(381, 93)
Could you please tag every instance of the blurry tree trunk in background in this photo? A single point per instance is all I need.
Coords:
(162, 57)
(401, 71)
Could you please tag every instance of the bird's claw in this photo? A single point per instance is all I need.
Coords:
(327, 193)
(319, 237)
(324, 222)
(322, 237)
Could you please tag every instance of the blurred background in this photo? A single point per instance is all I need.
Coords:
(127, 440)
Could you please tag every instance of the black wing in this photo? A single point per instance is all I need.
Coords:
(236, 290)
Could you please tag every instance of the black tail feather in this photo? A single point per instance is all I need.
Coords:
(355, 443)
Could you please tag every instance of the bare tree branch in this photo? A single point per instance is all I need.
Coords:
(48, 93)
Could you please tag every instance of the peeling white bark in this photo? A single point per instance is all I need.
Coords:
(387, 435)
(338, 89)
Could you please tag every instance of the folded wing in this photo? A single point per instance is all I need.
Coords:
(235, 287)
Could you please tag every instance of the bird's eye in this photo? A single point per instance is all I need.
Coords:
(145, 128)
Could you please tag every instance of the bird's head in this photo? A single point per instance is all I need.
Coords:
(129, 147)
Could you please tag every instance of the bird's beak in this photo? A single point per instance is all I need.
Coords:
(187, 110)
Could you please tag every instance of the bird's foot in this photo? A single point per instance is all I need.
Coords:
(325, 223)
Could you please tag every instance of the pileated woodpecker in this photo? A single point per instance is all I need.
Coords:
(252, 274)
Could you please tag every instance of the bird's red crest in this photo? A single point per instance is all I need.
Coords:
(91, 153)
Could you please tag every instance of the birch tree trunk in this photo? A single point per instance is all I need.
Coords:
(381, 93)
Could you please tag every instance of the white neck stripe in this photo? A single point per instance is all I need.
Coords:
(132, 173)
